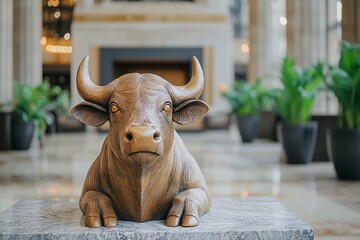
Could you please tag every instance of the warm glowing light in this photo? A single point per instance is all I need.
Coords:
(67, 36)
(57, 14)
(283, 21)
(244, 48)
(338, 11)
(222, 88)
(56, 3)
(43, 41)
(58, 49)
(244, 194)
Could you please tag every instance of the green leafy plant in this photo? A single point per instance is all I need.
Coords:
(247, 99)
(345, 84)
(32, 104)
(294, 101)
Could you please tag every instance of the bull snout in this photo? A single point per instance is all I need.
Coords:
(142, 138)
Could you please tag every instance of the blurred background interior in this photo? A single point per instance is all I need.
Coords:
(281, 79)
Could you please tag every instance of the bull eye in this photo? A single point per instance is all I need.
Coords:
(167, 107)
(114, 108)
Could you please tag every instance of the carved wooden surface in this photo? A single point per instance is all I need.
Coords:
(144, 171)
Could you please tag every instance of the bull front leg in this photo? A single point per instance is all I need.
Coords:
(188, 206)
(98, 210)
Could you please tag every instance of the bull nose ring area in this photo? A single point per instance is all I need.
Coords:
(156, 136)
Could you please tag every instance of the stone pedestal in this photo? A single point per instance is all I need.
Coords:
(229, 218)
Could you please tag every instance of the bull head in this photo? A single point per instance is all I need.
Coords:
(140, 109)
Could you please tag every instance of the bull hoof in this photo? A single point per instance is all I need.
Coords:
(93, 222)
(110, 222)
(172, 221)
(189, 221)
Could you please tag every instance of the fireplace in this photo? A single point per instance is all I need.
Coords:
(156, 37)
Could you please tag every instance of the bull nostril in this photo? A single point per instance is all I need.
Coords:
(129, 136)
(156, 136)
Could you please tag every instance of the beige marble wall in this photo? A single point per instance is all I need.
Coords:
(27, 34)
(6, 50)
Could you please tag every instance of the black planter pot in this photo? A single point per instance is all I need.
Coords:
(299, 141)
(324, 122)
(248, 127)
(344, 150)
(22, 135)
(5, 130)
(267, 125)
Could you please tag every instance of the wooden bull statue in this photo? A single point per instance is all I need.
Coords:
(144, 171)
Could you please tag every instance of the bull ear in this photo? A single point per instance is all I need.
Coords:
(190, 111)
(90, 113)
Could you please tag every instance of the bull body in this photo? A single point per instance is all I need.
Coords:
(144, 171)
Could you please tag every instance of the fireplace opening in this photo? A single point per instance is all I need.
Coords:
(176, 72)
(172, 64)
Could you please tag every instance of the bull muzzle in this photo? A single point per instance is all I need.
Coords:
(142, 138)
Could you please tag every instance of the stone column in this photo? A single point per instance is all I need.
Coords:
(351, 21)
(306, 31)
(6, 50)
(266, 41)
(27, 48)
(306, 43)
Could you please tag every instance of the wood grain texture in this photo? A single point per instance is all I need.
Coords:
(144, 171)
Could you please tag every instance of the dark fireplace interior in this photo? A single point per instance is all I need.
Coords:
(172, 64)
(177, 73)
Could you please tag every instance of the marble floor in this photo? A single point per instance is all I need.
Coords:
(312, 192)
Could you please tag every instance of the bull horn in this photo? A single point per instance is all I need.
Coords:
(194, 88)
(87, 89)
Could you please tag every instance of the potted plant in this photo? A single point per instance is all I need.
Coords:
(293, 103)
(247, 100)
(31, 108)
(343, 142)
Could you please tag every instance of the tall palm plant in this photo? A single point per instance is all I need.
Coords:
(294, 101)
(345, 84)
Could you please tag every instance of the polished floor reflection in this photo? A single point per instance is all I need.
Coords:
(231, 168)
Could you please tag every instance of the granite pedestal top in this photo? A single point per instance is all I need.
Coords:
(229, 218)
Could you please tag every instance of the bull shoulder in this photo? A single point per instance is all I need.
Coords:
(93, 180)
(191, 175)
